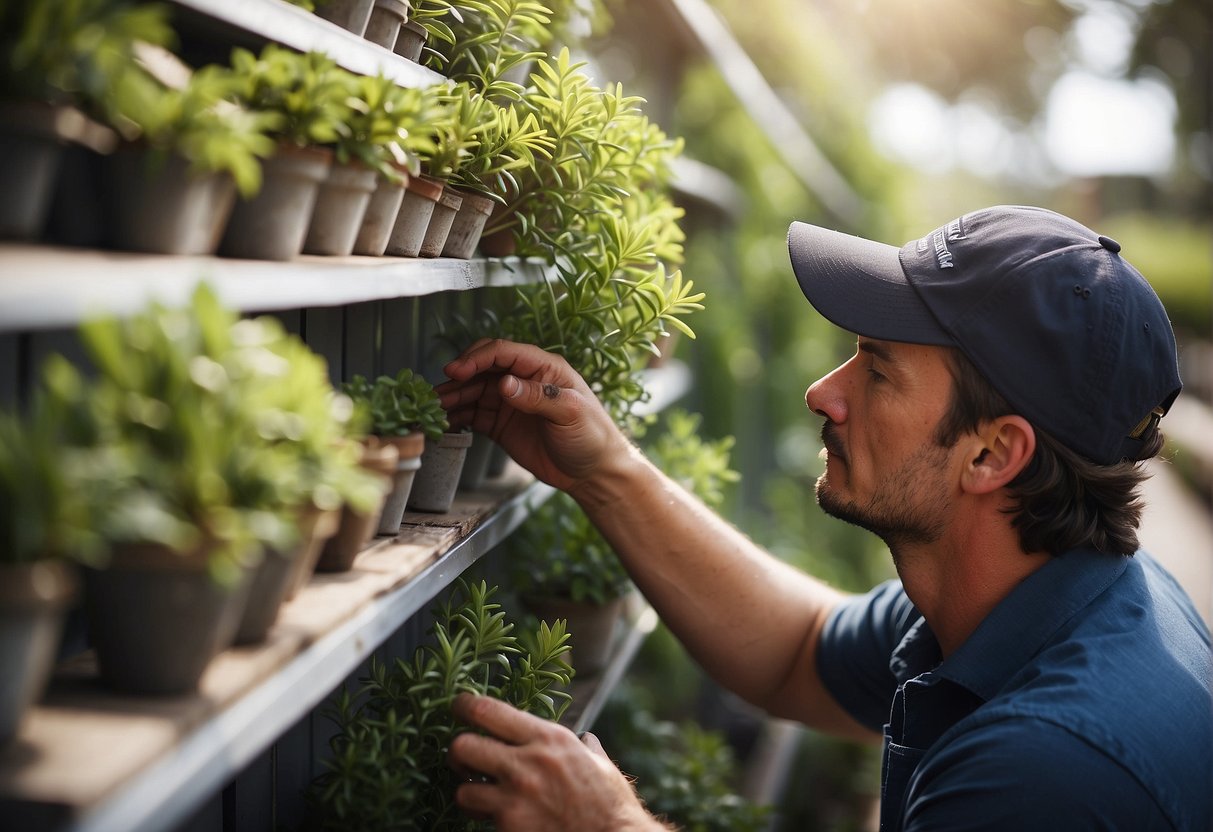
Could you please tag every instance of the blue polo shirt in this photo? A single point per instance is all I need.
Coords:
(1082, 701)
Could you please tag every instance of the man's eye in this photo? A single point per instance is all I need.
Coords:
(875, 375)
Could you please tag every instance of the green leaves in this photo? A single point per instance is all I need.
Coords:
(305, 95)
(201, 426)
(399, 404)
(388, 768)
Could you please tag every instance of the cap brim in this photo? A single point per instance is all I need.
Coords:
(859, 285)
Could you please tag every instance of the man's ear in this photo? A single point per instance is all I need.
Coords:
(1000, 449)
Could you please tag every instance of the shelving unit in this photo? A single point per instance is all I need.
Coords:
(89, 759)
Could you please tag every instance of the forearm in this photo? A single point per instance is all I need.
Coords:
(748, 618)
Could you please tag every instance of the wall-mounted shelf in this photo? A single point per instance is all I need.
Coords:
(43, 287)
(251, 22)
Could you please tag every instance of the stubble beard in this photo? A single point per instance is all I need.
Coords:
(909, 507)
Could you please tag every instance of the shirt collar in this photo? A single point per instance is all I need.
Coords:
(1016, 629)
(1020, 625)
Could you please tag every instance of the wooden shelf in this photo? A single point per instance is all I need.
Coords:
(44, 287)
(251, 22)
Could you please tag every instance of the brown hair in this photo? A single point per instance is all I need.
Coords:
(1062, 500)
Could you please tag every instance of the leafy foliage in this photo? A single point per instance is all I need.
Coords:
(389, 758)
(203, 428)
(304, 94)
(684, 773)
(399, 404)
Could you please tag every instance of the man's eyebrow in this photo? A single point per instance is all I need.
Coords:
(878, 349)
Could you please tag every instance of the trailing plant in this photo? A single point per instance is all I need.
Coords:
(203, 429)
(388, 768)
(303, 95)
(502, 144)
(397, 405)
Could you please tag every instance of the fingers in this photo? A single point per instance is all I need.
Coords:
(522, 360)
(591, 742)
(498, 718)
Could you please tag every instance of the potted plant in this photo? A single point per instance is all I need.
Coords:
(153, 441)
(373, 146)
(304, 98)
(53, 61)
(404, 412)
(388, 763)
(351, 15)
(387, 16)
(189, 150)
(43, 527)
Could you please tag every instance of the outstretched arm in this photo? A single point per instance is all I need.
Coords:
(748, 618)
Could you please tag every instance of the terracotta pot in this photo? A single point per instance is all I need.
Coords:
(386, 18)
(465, 230)
(409, 452)
(500, 242)
(273, 224)
(340, 207)
(352, 15)
(160, 206)
(34, 598)
(441, 466)
(591, 628)
(157, 618)
(420, 198)
(440, 223)
(357, 530)
(380, 217)
(411, 40)
(318, 527)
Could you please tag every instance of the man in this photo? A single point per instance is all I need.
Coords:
(1030, 669)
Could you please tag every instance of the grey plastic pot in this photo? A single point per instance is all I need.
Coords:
(380, 218)
(271, 581)
(467, 226)
(352, 15)
(30, 158)
(272, 225)
(34, 598)
(386, 18)
(441, 466)
(340, 207)
(161, 206)
(440, 223)
(410, 449)
(411, 40)
(476, 464)
(317, 527)
(420, 198)
(157, 618)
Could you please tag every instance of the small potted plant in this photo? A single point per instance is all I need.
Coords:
(372, 146)
(304, 97)
(388, 762)
(43, 527)
(49, 71)
(190, 150)
(153, 443)
(404, 412)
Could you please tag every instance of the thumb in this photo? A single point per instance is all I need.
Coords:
(591, 742)
(531, 396)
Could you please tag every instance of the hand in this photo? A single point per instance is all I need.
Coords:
(542, 777)
(535, 406)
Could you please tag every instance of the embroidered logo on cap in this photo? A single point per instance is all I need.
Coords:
(938, 240)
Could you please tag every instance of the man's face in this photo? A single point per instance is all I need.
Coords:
(884, 470)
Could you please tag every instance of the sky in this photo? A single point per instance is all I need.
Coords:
(1094, 122)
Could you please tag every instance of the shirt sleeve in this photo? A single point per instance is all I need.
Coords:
(856, 644)
(1026, 773)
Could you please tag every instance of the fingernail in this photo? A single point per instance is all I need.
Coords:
(510, 386)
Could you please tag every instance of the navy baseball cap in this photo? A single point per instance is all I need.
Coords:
(1069, 333)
